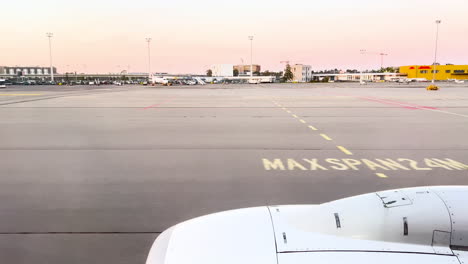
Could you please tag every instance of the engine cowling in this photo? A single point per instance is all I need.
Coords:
(426, 224)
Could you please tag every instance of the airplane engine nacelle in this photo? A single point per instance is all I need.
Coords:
(426, 225)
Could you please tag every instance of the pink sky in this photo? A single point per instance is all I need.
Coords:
(189, 36)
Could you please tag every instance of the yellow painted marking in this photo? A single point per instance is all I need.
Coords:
(381, 175)
(345, 164)
(302, 121)
(289, 112)
(313, 128)
(347, 152)
(295, 116)
(284, 108)
(326, 137)
(20, 94)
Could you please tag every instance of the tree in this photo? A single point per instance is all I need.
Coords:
(235, 72)
(266, 73)
(288, 75)
(209, 73)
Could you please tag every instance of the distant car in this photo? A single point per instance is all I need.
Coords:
(30, 82)
(418, 80)
(2, 83)
(91, 83)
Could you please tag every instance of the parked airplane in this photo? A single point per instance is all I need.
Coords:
(415, 225)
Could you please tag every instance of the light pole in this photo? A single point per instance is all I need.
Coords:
(251, 55)
(382, 58)
(149, 58)
(361, 78)
(50, 35)
(435, 55)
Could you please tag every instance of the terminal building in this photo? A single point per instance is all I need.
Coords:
(442, 72)
(222, 70)
(13, 71)
(301, 73)
(358, 77)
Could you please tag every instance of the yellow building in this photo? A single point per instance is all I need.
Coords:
(443, 72)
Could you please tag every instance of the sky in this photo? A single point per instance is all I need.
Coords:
(103, 36)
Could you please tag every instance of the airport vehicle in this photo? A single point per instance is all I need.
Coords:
(2, 83)
(432, 88)
(417, 79)
(415, 225)
(160, 80)
(403, 80)
(199, 80)
(459, 81)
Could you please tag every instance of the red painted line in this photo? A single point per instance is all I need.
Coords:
(413, 105)
(158, 104)
(388, 103)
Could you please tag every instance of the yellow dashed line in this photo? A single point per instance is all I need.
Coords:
(302, 121)
(326, 137)
(347, 152)
(284, 108)
(289, 112)
(295, 116)
(313, 128)
(381, 175)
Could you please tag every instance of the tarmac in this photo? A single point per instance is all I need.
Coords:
(92, 174)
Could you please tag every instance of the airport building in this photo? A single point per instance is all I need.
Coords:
(25, 71)
(442, 72)
(301, 73)
(245, 69)
(357, 77)
(222, 70)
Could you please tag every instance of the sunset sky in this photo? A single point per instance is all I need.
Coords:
(189, 36)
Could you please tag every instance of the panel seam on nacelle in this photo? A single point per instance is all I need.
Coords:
(274, 234)
(449, 214)
(364, 251)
